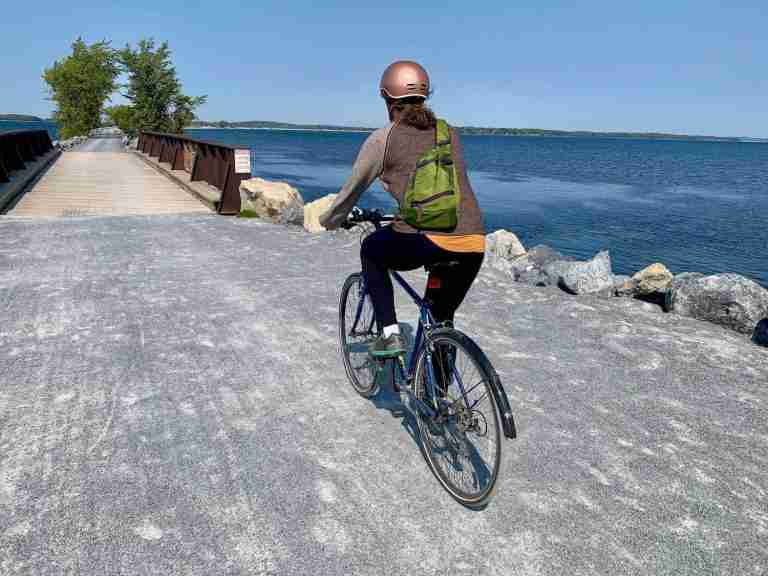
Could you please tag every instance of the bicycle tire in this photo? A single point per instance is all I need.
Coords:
(361, 369)
(428, 426)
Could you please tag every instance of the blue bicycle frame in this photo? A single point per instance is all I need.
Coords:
(426, 321)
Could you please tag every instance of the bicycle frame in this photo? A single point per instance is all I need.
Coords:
(426, 321)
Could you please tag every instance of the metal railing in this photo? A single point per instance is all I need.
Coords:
(19, 147)
(217, 164)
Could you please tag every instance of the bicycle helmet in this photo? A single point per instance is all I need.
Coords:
(404, 79)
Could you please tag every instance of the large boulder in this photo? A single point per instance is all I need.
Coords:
(591, 277)
(653, 278)
(501, 248)
(730, 300)
(278, 202)
(530, 268)
(760, 335)
(314, 210)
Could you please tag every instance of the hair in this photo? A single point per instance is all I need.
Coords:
(414, 112)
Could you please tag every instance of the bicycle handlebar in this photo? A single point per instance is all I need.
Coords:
(361, 215)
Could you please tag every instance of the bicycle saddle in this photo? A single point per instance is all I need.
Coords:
(441, 265)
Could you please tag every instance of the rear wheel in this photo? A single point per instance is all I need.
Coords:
(357, 329)
(462, 444)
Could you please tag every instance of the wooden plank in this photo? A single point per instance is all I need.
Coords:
(103, 183)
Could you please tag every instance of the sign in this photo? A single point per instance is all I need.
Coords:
(242, 161)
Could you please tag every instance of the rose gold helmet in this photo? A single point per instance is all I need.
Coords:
(404, 79)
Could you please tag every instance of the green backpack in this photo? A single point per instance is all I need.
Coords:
(431, 201)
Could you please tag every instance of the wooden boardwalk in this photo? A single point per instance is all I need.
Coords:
(104, 183)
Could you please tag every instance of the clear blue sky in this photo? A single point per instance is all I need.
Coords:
(676, 66)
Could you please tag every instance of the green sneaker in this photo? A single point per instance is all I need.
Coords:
(387, 347)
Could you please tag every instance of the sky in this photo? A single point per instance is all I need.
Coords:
(679, 66)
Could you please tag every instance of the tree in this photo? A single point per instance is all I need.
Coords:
(122, 117)
(80, 84)
(154, 91)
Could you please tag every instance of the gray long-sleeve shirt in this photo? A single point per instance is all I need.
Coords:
(367, 167)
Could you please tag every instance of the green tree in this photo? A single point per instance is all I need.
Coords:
(154, 90)
(122, 117)
(80, 84)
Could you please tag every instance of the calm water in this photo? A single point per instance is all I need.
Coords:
(6, 126)
(696, 206)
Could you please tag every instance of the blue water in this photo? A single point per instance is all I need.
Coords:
(7, 126)
(695, 206)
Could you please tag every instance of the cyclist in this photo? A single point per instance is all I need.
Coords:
(391, 154)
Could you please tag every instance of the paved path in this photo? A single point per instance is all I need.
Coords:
(101, 145)
(172, 402)
(98, 178)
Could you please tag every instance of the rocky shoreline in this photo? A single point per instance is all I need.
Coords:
(730, 300)
(70, 143)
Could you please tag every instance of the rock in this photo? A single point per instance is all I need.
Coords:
(500, 248)
(530, 268)
(72, 142)
(592, 277)
(730, 300)
(760, 335)
(624, 285)
(276, 201)
(314, 210)
(654, 278)
(678, 281)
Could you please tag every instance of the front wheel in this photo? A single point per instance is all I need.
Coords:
(357, 325)
(462, 443)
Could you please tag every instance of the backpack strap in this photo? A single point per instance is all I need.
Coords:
(386, 150)
(442, 133)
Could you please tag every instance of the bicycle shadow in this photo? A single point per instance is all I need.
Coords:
(396, 404)
(388, 399)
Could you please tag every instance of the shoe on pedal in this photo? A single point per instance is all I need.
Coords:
(387, 347)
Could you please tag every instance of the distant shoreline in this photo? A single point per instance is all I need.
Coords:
(364, 130)
(473, 131)
(465, 130)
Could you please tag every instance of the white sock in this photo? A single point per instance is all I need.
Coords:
(391, 329)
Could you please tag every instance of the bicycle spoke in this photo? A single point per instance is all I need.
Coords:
(355, 323)
(464, 448)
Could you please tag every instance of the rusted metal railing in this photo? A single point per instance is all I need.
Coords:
(222, 166)
(19, 147)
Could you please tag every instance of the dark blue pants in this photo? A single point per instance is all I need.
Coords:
(386, 250)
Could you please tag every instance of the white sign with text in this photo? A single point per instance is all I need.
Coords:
(242, 161)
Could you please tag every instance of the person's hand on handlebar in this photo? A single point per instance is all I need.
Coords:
(352, 218)
(360, 215)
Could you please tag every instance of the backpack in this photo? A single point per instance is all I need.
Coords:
(431, 201)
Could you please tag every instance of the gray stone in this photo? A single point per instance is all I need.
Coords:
(684, 279)
(278, 202)
(72, 143)
(624, 285)
(730, 300)
(501, 248)
(594, 276)
(530, 269)
(760, 335)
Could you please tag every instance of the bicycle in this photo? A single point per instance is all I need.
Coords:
(448, 411)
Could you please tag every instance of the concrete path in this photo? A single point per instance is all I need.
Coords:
(98, 178)
(172, 402)
(101, 145)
